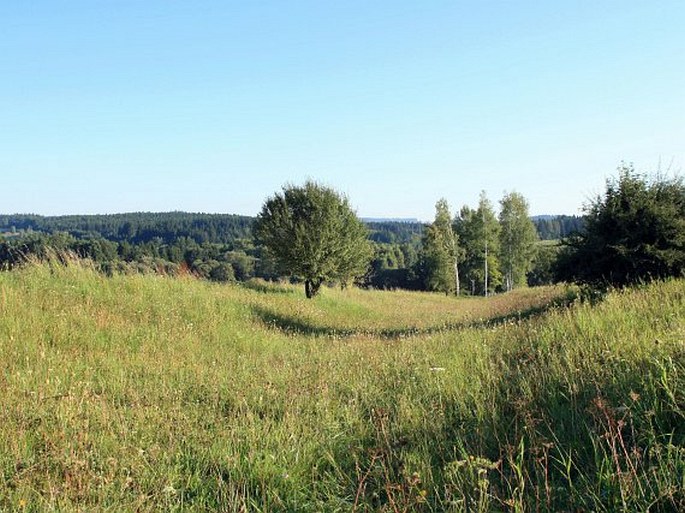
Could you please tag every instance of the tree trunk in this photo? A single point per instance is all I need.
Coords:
(311, 287)
(485, 281)
(485, 236)
(510, 272)
(456, 275)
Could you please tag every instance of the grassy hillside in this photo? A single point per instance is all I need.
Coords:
(143, 393)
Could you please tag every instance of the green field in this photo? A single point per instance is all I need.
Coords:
(146, 393)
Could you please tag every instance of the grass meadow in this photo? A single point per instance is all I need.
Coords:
(149, 393)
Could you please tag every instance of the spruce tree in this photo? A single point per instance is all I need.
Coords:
(634, 232)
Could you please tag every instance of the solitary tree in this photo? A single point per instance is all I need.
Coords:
(517, 239)
(313, 234)
(634, 232)
(440, 252)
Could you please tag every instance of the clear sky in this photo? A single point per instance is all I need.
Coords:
(158, 105)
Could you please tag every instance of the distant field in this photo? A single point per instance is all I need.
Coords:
(144, 393)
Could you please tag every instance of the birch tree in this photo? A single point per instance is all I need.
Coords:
(517, 239)
(441, 252)
(478, 232)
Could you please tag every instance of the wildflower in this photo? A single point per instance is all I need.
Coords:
(22, 503)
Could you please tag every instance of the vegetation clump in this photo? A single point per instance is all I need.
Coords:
(634, 232)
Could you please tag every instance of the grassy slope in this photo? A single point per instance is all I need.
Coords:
(144, 393)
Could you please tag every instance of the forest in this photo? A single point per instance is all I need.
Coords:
(220, 247)
(633, 232)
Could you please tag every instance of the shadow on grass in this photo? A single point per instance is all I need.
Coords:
(294, 325)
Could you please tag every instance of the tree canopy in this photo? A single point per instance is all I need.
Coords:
(478, 232)
(634, 232)
(440, 252)
(314, 235)
(517, 239)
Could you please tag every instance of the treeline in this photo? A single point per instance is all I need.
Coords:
(142, 227)
(138, 228)
(633, 233)
(479, 251)
(558, 227)
(218, 247)
(237, 261)
(394, 232)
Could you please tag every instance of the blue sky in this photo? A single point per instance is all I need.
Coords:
(116, 106)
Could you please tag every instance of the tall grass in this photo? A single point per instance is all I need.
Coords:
(144, 393)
